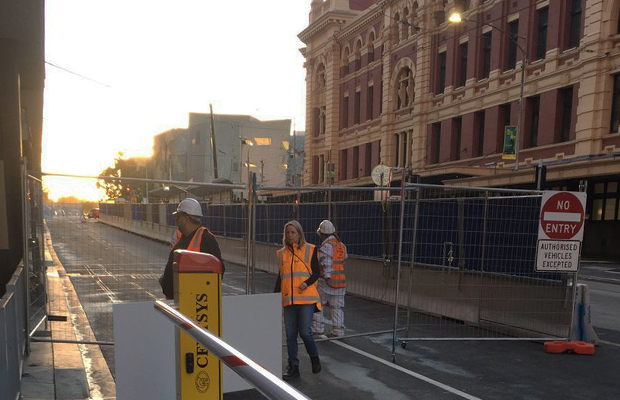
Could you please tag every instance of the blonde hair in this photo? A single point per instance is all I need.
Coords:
(295, 224)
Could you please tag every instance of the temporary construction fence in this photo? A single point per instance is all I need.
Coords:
(425, 262)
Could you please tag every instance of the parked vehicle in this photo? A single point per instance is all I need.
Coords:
(94, 213)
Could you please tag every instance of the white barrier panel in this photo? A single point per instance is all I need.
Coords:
(144, 344)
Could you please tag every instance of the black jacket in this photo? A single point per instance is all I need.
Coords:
(208, 245)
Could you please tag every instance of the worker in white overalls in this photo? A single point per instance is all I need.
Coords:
(332, 284)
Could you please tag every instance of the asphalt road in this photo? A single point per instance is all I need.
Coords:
(106, 265)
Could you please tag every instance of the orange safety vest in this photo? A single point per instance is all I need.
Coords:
(295, 269)
(194, 244)
(338, 279)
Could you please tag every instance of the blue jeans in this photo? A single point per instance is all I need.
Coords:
(298, 320)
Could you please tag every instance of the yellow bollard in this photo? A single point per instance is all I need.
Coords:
(197, 279)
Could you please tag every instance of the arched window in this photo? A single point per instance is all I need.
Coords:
(397, 26)
(405, 23)
(358, 55)
(345, 61)
(371, 47)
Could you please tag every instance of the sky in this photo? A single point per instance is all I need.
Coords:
(119, 72)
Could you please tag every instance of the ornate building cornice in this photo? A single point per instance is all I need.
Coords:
(328, 19)
(369, 17)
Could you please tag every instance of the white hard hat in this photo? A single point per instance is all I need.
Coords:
(189, 207)
(326, 228)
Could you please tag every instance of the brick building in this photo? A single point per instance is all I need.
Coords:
(396, 82)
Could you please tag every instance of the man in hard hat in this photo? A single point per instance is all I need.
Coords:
(332, 285)
(191, 235)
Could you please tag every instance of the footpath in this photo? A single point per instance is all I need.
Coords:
(64, 369)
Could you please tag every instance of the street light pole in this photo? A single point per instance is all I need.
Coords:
(456, 17)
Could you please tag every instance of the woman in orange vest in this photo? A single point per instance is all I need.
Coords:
(299, 271)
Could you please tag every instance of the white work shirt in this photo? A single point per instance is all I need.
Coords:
(325, 256)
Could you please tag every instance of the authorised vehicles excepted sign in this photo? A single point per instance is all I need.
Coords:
(560, 232)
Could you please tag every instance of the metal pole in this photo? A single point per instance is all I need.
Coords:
(213, 149)
(484, 230)
(264, 381)
(253, 236)
(413, 253)
(248, 241)
(26, 251)
(400, 253)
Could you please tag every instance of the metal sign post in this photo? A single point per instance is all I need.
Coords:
(197, 281)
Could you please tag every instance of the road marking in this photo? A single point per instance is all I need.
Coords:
(609, 343)
(408, 372)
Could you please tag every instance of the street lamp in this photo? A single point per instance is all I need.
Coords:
(456, 17)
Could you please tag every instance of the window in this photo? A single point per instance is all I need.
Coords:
(345, 112)
(566, 96)
(356, 111)
(367, 159)
(435, 142)
(606, 202)
(441, 79)
(370, 103)
(321, 168)
(458, 124)
(371, 47)
(343, 165)
(487, 39)
(323, 120)
(615, 106)
(463, 47)
(396, 25)
(534, 112)
(285, 144)
(574, 32)
(263, 141)
(541, 39)
(345, 62)
(513, 37)
(358, 57)
(356, 161)
(402, 149)
(479, 120)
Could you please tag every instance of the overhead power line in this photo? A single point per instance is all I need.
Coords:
(76, 74)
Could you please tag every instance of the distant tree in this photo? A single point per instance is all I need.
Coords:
(122, 168)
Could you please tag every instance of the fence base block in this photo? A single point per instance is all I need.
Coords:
(571, 347)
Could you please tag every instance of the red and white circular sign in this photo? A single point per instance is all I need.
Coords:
(562, 216)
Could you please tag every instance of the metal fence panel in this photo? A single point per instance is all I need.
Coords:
(464, 267)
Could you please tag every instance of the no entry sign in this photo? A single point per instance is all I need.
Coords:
(562, 215)
(560, 231)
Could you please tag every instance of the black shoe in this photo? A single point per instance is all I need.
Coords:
(316, 364)
(292, 372)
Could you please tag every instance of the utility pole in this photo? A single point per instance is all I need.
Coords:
(214, 152)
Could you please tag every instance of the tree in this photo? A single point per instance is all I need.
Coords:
(123, 168)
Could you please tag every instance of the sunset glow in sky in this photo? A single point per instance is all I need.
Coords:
(124, 71)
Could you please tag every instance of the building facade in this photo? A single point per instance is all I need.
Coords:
(243, 145)
(22, 76)
(395, 82)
